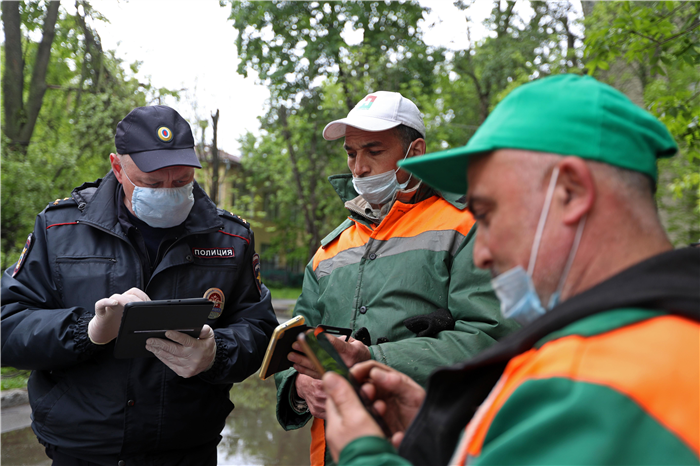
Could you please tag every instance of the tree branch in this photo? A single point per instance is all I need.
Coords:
(286, 133)
(692, 26)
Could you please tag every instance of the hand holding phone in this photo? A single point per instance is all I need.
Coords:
(325, 358)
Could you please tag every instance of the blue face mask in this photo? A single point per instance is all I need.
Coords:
(515, 289)
(380, 189)
(162, 207)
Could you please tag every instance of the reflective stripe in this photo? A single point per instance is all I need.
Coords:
(402, 221)
(654, 362)
(436, 241)
(347, 257)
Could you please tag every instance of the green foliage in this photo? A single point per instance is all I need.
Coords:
(655, 35)
(658, 44)
(519, 48)
(291, 44)
(266, 163)
(89, 93)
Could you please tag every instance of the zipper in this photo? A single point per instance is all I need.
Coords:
(82, 258)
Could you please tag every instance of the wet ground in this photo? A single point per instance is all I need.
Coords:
(252, 435)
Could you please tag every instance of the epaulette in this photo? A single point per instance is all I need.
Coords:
(65, 202)
(235, 218)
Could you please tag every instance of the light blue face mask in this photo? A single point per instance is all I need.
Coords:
(515, 289)
(380, 189)
(162, 207)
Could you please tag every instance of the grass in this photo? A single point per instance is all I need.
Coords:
(285, 293)
(13, 378)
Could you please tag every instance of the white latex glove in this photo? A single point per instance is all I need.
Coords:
(185, 355)
(104, 327)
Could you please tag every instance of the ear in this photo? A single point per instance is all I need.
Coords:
(417, 148)
(116, 166)
(579, 189)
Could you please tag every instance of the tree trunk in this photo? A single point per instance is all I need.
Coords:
(20, 118)
(214, 194)
(92, 56)
(14, 70)
(311, 226)
(344, 83)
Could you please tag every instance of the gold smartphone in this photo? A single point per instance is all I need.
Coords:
(280, 344)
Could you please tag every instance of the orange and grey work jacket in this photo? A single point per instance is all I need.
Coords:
(365, 276)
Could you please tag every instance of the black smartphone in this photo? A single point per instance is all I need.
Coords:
(325, 358)
(336, 331)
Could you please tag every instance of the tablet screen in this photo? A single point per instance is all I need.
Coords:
(151, 319)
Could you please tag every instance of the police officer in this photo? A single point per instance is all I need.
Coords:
(145, 231)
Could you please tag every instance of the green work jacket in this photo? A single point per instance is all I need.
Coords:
(610, 376)
(417, 260)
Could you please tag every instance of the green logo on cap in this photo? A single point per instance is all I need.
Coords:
(366, 103)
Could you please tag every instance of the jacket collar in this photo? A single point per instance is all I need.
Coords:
(346, 191)
(97, 202)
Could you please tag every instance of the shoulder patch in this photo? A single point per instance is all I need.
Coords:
(216, 296)
(24, 254)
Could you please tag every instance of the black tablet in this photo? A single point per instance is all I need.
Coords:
(150, 319)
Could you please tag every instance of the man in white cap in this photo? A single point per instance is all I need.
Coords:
(398, 272)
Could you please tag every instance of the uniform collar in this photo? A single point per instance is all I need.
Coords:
(98, 202)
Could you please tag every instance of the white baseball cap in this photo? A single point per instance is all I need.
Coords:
(378, 111)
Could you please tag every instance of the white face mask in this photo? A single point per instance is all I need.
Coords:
(162, 207)
(515, 288)
(380, 189)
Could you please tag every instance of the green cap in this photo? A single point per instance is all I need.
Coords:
(564, 114)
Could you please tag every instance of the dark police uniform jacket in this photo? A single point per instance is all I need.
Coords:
(83, 399)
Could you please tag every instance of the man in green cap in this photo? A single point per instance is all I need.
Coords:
(606, 369)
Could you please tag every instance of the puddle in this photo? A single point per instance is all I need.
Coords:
(20, 447)
(252, 435)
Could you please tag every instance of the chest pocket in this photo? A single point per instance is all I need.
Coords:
(82, 280)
